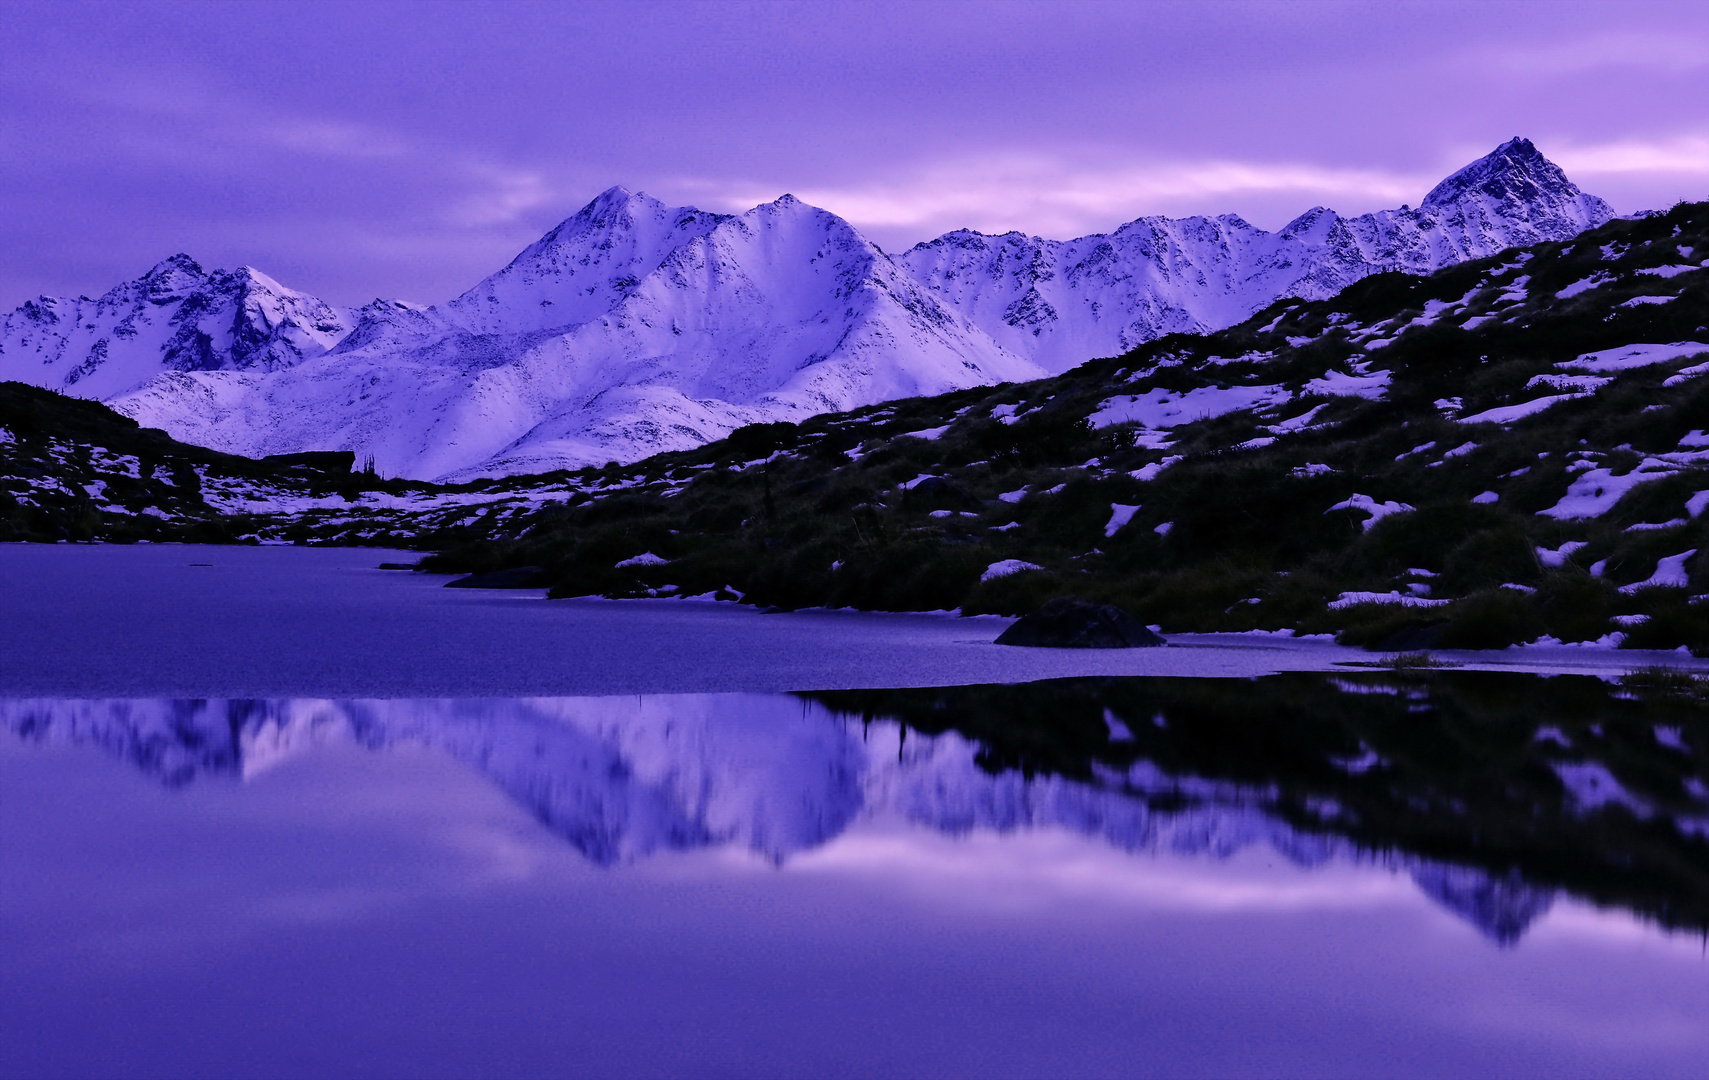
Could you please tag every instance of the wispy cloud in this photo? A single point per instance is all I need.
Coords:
(178, 118)
(1686, 50)
(500, 195)
(337, 139)
(1056, 197)
(1680, 154)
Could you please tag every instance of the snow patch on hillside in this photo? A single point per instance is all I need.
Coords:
(1374, 509)
(1160, 408)
(1627, 357)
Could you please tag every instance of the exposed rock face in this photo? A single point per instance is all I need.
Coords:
(1071, 623)
(635, 327)
(517, 577)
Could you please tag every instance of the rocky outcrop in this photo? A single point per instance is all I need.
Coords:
(517, 577)
(1071, 623)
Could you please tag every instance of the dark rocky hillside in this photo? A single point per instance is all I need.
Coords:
(76, 470)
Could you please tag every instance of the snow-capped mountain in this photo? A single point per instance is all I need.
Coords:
(630, 329)
(634, 327)
(1062, 302)
(178, 318)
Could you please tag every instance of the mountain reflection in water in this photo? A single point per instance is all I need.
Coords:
(1493, 791)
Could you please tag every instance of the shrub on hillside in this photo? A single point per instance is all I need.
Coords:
(1378, 626)
(1423, 539)
(1671, 621)
(1493, 619)
(1020, 593)
(1207, 597)
(759, 440)
(1574, 606)
(1490, 558)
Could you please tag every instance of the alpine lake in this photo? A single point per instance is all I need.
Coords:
(274, 812)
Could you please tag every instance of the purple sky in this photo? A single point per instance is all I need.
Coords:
(363, 149)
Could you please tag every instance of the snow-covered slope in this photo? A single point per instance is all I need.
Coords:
(1063, 302)
(634, 327)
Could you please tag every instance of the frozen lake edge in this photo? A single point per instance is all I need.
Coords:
(192, 621)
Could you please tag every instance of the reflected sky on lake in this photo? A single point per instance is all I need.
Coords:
(835, 885)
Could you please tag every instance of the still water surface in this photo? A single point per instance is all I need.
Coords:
(1444, 874)
(175, 620)
(273, 812)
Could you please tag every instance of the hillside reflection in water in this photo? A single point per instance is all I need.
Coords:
(999, 830)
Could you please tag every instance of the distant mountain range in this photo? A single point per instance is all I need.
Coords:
(634, 327)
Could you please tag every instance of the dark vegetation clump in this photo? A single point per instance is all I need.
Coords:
(1416, 661)
(1668, 682)
(76, 471)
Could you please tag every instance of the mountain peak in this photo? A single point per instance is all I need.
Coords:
(172, 277)
(251, 278)
(615, 195)
(174, 265)
(1519, 146)
(607, 209)
(614, 200)
(609, 206)
(788, 208)
(1516, 168)
(785, 203)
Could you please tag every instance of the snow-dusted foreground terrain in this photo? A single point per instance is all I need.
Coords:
(634, 327)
